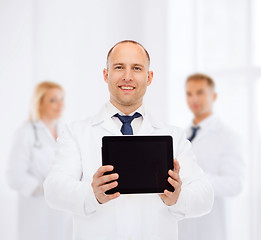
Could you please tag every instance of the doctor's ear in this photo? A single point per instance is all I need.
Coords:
(150, 77)
(215, 96)
(105, 75)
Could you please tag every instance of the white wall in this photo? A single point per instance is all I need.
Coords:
(15, 89)
(71, 42)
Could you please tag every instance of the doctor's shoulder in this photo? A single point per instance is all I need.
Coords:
(77, 127)
(24, 133)
(179, 137)
(228, 133)
(175, 131)
(178, 133)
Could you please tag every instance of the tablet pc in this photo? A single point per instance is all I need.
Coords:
(142, 162)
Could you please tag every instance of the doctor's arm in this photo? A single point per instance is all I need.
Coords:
(64, 188)
(18, 173)
(196, 196)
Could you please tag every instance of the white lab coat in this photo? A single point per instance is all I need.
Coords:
(29, 163)
(136, 217)
(219, 154)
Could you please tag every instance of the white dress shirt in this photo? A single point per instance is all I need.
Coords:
(136, 122)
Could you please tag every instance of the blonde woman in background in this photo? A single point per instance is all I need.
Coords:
(31, 158)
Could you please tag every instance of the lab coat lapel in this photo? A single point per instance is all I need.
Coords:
(105, 121)
(149, 124)
(110, 126)
(213, 125)
(200, 135)
(146, 127)
(41, 126)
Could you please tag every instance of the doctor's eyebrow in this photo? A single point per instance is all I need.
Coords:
(138, 65)
(118, 64)
(134, 64)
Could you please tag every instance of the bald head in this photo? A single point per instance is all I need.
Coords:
(127, 75)
(128, 42)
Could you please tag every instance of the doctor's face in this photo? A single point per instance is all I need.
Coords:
(52, 104)
(200, 97)
(127, 75)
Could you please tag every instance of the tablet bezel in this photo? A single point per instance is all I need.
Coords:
(167, 139)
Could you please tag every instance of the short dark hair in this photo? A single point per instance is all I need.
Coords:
(201, 76)
(128, 41)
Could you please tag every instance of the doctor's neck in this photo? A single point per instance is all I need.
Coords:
(49, 123)
(126, 109)
(200, 117)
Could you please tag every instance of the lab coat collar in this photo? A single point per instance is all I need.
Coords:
(112, 110)
(211, 123)
(104, 117)
(39, 124)
(149, 124)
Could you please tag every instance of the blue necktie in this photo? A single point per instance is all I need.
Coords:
(194, 133)
(126, 128)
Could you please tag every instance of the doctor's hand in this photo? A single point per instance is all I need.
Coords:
(171, 198)
(102, 183)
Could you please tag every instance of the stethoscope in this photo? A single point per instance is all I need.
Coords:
(37, 143)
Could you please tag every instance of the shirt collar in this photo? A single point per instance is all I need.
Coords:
(108, 111)
(112, 110)
(207, 123)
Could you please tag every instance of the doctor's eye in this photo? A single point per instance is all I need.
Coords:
(53, 100)
(200, 92)
(137, 68)
(118, 67)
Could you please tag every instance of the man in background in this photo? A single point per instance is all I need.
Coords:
(218, 152)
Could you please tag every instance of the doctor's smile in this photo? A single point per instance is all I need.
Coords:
(127, 87)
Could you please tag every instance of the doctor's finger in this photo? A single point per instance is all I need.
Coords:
(168, 193)
(176, 166)
(102, 170)
(174, 183)
(107, 178)
(108, 186)
(174, 175)
(111, 196)
(102, 198)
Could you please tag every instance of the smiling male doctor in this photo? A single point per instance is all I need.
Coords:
(77, 182)
(219, 153)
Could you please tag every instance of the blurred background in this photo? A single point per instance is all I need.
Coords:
(67, 42)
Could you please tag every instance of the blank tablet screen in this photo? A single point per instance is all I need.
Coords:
(142, 162)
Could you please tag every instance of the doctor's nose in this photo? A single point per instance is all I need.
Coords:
(193, 98)
(128, 75)
(60, 103)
